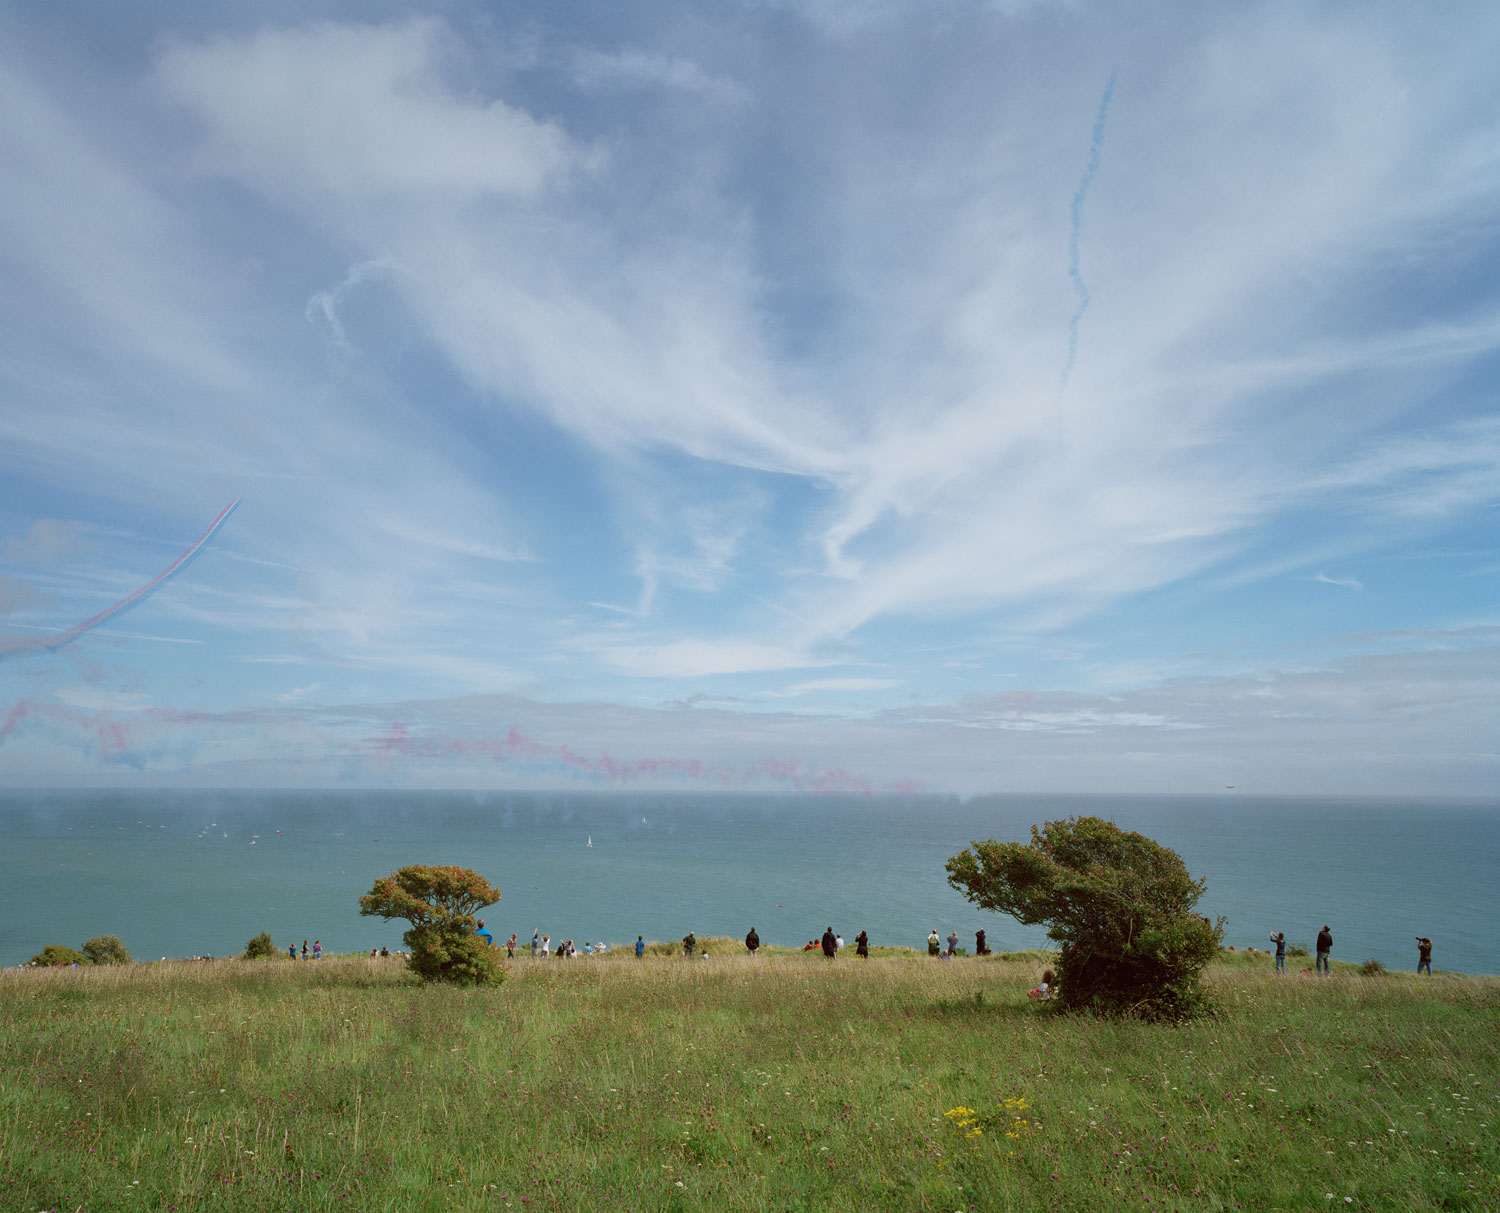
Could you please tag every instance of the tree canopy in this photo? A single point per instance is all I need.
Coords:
(1118, 904)
(58, 954)
(423, 894)
(440, 903)
(261, 947)
(106, 950)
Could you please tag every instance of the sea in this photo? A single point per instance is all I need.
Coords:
(182, 873)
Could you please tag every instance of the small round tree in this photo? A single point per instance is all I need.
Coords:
(439, 902)
(262, 947)
(106, 950)
(1118, 905)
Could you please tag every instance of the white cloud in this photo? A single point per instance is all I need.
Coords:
(834, 684)
(297, 693)
(701, 658)
(46, 542)
(629, 68)
(352, 111)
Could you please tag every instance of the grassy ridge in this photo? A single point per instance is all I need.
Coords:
(783, 1083)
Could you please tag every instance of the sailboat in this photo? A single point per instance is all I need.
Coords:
(591, 840)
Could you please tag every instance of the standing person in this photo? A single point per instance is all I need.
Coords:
(934, 944)
(830, 944)
(510, 947)
(862, 945)
(317, 949)
(1279, 939)
(533, 943)
(479, 930)
(1424, 955)
(952, 944)
(640, 947)
(689, 943)
(304, 949)
(1325, 946)
(980, 947)
(546, 946)
(291, 950)
(752, 942)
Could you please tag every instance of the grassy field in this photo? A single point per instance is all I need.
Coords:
(725, 1084)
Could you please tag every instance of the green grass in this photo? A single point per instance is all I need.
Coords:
(726, 1084)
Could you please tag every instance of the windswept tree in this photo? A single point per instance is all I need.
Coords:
(440, 903)
(1119, 906)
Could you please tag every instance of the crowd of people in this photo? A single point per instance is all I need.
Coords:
(832, 943)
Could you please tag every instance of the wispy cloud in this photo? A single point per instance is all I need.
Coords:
(1348, 583)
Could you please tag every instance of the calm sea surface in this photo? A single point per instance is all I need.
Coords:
(182, 873)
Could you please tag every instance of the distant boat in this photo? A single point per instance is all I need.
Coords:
(591, 840)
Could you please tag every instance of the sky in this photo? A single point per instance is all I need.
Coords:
(827, 397)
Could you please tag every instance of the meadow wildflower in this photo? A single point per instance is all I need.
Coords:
(1006, 1116)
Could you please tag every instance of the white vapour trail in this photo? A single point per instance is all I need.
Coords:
(1090, 171)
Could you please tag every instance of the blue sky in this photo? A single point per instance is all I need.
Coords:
(963, 398)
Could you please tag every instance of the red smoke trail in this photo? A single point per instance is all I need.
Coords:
(134, 598)
(112, 739)
(397, 742)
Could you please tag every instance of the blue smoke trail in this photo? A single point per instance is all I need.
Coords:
(1096, 142)
(55, 642)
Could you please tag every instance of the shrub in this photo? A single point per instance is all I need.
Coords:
(262, 947)
(1296, 948)
(106, 950)
(1372, 968)
(440, 903)
(1118, 904)
(58, 954)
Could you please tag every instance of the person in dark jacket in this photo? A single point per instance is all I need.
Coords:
(1424, 955)
(830, 944)
(980, 947)
(752, 941)
(689, 944)
(1279, 939)
(862, 945)
(1325, 946)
